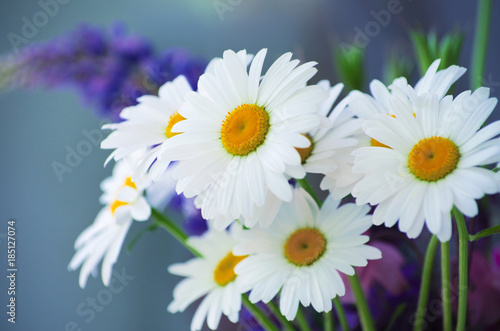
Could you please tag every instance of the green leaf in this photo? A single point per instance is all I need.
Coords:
(485, 233)
(428, 48)
(349, 66)
(397, 66)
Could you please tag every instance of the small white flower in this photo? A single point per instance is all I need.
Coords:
(240, 134)
(302, 252)
(148, 125)
(330, 136)
(104, 238)
(211, 276)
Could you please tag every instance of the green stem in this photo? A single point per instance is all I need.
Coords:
(328, 321)
(361, 304)
(304, 183)
(276, 311)
(483, 19)
(339, 308)
(263, 320)
(463, 243)
(173, 229)
(425, 285)
(445, 283)
(301, 319)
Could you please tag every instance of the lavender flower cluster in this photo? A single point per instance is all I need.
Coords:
(110, 70)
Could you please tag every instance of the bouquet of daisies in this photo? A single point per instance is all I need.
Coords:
(236, 143)
(241, 146)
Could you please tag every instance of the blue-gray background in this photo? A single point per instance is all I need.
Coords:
(37, 126)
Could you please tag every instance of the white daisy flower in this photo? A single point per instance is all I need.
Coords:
(302, 252)
(147, 125)
(104, 238)
(433, 161)
(341, 181)
(211, 276)
(332, 145)
(241, 132)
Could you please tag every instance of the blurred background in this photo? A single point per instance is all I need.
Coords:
(38, 126)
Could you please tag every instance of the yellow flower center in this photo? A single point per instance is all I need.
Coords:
(244, 129)
(306, 152)
(305, 246)
(224, 272)
(431, 159)
(174, 118)
(117, 203)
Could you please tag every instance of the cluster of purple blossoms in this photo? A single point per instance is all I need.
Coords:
(110, 70)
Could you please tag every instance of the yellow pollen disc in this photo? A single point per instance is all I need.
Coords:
(305, 246)
(174, 118)
(433, 158)
(244, 129)
(224, 272)
(116, 204)
(306, 152)
(376, 143)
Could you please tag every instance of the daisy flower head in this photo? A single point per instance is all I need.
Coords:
(124, 202)
(381, 101)
(147, 125)
(333, 143)
(303, 251)
(211, 276)
(241, 131)
(431, 157)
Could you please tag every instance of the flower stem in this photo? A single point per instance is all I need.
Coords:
(301, 319)
(173, 229)
(328, 321)
(483, 19)
(339, 308)
(263, 320)
(425, 285)
(304, 183)
(445, 283)
(361, 304)
(276, 311)
(463, 243)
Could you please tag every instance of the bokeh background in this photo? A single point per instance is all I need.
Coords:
(36, 127)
